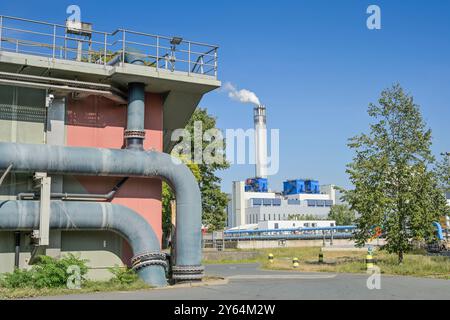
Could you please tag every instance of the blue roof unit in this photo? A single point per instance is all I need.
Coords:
(294, 186)
(312, 186)
(256, 185)
(300, 186)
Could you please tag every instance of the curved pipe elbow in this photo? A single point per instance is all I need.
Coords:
(124, 163)
(24, 215)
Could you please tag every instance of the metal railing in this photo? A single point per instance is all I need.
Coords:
(55, 41)
(338, 232)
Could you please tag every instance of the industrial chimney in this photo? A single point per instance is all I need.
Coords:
(260, 141)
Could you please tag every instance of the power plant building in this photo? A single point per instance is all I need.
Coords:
(252, 202)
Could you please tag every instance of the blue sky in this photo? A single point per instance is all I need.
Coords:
(314, 64)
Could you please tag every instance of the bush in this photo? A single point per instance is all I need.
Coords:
(123, 275)
(17, 279)
(48, 272)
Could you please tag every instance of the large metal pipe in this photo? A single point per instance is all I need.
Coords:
(126, 163)
(135, 133)
(24, 215)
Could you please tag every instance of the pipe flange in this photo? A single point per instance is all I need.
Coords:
(134, 134)
(188, 272)
(148, 256)
(148, 263)
(187, 277)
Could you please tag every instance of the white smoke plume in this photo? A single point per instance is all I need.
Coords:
(243, 95)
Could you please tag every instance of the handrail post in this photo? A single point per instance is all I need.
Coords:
(215, 62)
(189, 58)
(54, 41)
(1, 29)
(202, 71)
(123, 47)
(104, 58)
(157, 53)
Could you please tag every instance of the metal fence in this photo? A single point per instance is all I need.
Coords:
(85, 45)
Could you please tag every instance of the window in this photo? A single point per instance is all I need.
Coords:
(306, 225)
(257, 202)
(264, 217)
(314, 225)
(311, 203)
(276, 225)
(276, 202)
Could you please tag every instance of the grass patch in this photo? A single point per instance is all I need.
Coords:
(415, 263)
(88, 287)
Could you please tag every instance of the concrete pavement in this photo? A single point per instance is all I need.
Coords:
(247, 281)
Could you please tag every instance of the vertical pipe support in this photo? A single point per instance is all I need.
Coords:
(17, 249)
(44, 184)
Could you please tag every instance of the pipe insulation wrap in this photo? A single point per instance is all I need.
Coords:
(24, 215)
(126, 163)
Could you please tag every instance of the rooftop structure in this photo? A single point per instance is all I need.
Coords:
(52, 56)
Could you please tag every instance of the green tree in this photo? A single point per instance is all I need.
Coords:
(394, 187)
(214, 201)
(342, 214)
(443, 173)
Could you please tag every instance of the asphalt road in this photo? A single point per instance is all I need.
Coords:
(247, 281)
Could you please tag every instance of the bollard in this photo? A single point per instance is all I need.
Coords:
(369, 259)
(270, 257)
(295, 262)
(320, 256)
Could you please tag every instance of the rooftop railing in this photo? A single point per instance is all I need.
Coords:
(85, 45)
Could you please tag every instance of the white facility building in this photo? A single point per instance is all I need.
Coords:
(249, 207)
(252, 203)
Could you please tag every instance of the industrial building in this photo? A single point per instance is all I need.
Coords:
(252, 202)
(85, 128)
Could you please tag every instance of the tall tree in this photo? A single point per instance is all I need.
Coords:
(342, 214)
(214, 201)
(394, 186)
(443, 172)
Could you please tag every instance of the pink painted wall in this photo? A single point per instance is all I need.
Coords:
(98, 122)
